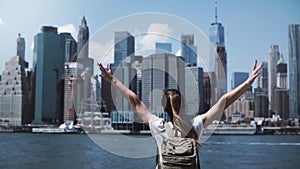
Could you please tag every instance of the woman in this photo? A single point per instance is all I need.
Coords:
(172, 104)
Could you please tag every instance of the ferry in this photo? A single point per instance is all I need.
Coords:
(66, 128)
(225, 129)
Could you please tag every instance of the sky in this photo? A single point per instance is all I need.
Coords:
(251, 26)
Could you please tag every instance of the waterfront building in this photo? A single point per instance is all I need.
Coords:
(274, 57)
(188, 49)
(161, 47)
(124, 47)
(21, 47)
(88, 63)
(261, 103)
(48, 66)
(194, 89)
(14, 93)
(244, 106)
(72, 90)
(294, 69)
(15, 106)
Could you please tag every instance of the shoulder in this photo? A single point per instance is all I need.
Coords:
(198, 123)
(156, 125)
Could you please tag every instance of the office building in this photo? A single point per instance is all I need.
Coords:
(88, 63)
(217, 39)
(124, 47)
(161, 71)
(70, 47)
(238, 78)
(194, 89)
(262, 80)
(261, 102)
(161, 47)
(72, 90)
(14, 96)
(209, 79)
(294, 69)
(274, 57)
(188, 49)
(21, 47)
(48, 65)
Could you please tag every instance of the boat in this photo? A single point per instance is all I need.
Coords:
(66, 128)
(226, 129)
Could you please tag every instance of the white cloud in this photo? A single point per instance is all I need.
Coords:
(101, 53)
(157, 32)
(1, 23)
(70, 28)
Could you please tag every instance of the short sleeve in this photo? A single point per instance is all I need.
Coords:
(198, 124)
(156, 125)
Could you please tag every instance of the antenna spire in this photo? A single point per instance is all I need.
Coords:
(216, 11)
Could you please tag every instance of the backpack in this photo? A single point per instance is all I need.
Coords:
(178, 152)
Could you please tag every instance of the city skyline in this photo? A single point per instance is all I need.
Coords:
(233, 15)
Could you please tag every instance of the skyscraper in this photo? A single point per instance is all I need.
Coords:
(188, 49)
(14, 89)
(70, 47)
(21, 47)
(217, 39)
(281, 91)
(294, 69)
(48, 65)
(83, 39)
(274, 57)
(88, 63)
(216, 31)
(194, 89)
(238, 78)
(262, 81)
(161, 47)
(161, 71)
(124, 46)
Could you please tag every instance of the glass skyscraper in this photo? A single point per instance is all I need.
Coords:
(294, 69)
(124, 46)
(216, 31)
(188, 49)
(48, 64)
(161, 47)
(238, 78)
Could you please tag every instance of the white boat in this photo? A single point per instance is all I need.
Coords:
(229, 130)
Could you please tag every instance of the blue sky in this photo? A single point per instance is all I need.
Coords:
(251, 26)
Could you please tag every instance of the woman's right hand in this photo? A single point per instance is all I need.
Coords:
(106, 74)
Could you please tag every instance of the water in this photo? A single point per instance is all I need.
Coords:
(47, 151)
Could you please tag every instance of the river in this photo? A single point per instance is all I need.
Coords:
(60, 151)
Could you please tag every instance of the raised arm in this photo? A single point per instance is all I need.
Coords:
(226, 100)
(140, 107)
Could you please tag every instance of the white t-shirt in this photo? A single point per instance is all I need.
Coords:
(159, 132)
(158, 129)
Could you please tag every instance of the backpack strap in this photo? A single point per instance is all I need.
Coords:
(169, 130)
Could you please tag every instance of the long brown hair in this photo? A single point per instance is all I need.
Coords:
(173, 104)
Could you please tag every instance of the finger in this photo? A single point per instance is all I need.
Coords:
(102, 68)
(255, 63)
